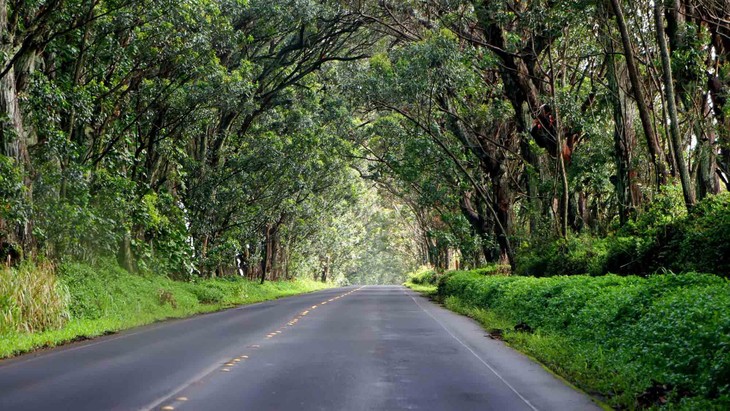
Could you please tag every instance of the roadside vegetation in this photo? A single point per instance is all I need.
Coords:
(423, 280)
(634, 342)
(664, 238)
(43, 307)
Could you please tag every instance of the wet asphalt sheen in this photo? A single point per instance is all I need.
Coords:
(354, 348)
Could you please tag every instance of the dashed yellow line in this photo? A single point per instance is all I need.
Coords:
(237, 360)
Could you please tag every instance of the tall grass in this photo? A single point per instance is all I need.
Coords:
(32, 299)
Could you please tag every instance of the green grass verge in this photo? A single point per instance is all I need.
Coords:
(657, 342)
(425, 289)
(92, 301)
(423, 281)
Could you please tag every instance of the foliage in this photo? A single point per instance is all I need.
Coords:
(614, 335)
(354, 141)
(423, 275)
(663, 237)
(703, 240)
(12, 203)
(583, 254)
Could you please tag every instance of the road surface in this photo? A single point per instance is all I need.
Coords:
(354, 348)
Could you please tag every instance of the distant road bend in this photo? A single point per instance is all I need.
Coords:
(354, 348)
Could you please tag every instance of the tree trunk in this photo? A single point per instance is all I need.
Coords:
(624, 137)
(708, 183)
(325, 268)
(125, 256)
(13, 140)
(266, 253)
(503, 201)
(480, 222)
(676, 140)
(655, 151)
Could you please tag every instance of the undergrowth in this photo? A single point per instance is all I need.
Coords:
(664, 237)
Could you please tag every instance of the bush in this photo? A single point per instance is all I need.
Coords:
(703, 244)
(628, 333)
(423, 276)
(574, 255)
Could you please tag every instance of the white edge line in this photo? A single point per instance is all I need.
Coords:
(180, 388)
(475, 354)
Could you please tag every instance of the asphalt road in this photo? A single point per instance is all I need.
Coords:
(370, 348)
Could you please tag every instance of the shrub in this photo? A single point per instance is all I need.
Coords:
(575, 255)
(663, 237)
(703, 244)
(423, 275)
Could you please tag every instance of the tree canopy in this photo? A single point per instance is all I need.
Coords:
(354, 141)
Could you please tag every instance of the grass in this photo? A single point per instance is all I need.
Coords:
(657, 342)
(423, 281)
(425, 289)
(41, 307)
(31, 299)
